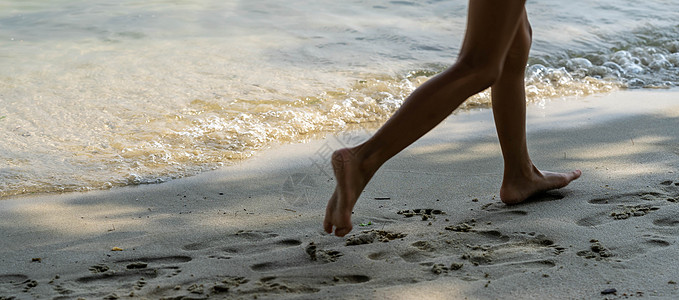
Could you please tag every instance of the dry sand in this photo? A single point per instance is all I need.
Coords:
(434, 226)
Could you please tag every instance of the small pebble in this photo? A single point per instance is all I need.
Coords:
(609, 291)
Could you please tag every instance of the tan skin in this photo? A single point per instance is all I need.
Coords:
(494, 54)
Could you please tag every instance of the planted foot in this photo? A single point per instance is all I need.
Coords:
(516, 189)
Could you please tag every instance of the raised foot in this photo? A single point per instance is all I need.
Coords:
(351, 179)
(516, 189)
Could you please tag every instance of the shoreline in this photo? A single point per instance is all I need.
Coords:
(246, 230)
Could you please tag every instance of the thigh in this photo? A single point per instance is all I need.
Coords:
(491, 29)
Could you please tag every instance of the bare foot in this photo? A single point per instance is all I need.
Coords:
(351, 179)
(517, 189)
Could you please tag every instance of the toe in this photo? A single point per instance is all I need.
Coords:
(340, 232)
(327, 226)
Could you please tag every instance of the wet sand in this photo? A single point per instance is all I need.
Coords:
(429, 226)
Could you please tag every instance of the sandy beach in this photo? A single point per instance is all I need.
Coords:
(429, 226)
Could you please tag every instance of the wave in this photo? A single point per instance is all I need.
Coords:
(209, 133)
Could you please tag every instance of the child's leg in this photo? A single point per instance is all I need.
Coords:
(491, 26)
(521, 178)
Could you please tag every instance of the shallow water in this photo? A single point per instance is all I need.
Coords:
(95, 94)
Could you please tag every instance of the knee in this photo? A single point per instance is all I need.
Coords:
(517, 56)
(482, 70)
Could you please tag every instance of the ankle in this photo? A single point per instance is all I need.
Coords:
(366, 161)
(525, 172)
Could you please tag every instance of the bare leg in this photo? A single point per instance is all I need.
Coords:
(521, 178)
(491, 26)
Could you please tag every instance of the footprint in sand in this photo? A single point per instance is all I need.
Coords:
(414, 256)
(134, 271)
(259, 247)
(484, 250)
(245, 244)
(521, 251)
(628, 249)
(628, 205)
(287, 252)
(201, 290)
(123, 274)
(630, 198)
(249, 245)
(667, 222)
(667, 225)
(298, 284)
(621, 212)
(317, 254)
(295, 259)
(240, 236)
(593, 220)
(370, 236)
(672, 190)
(12, 278)
(656, 242)
(419, 251)
(672, 184)
(233, 287)
(13, 284)
(288, 284)
(380, 255)
(667, 190)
